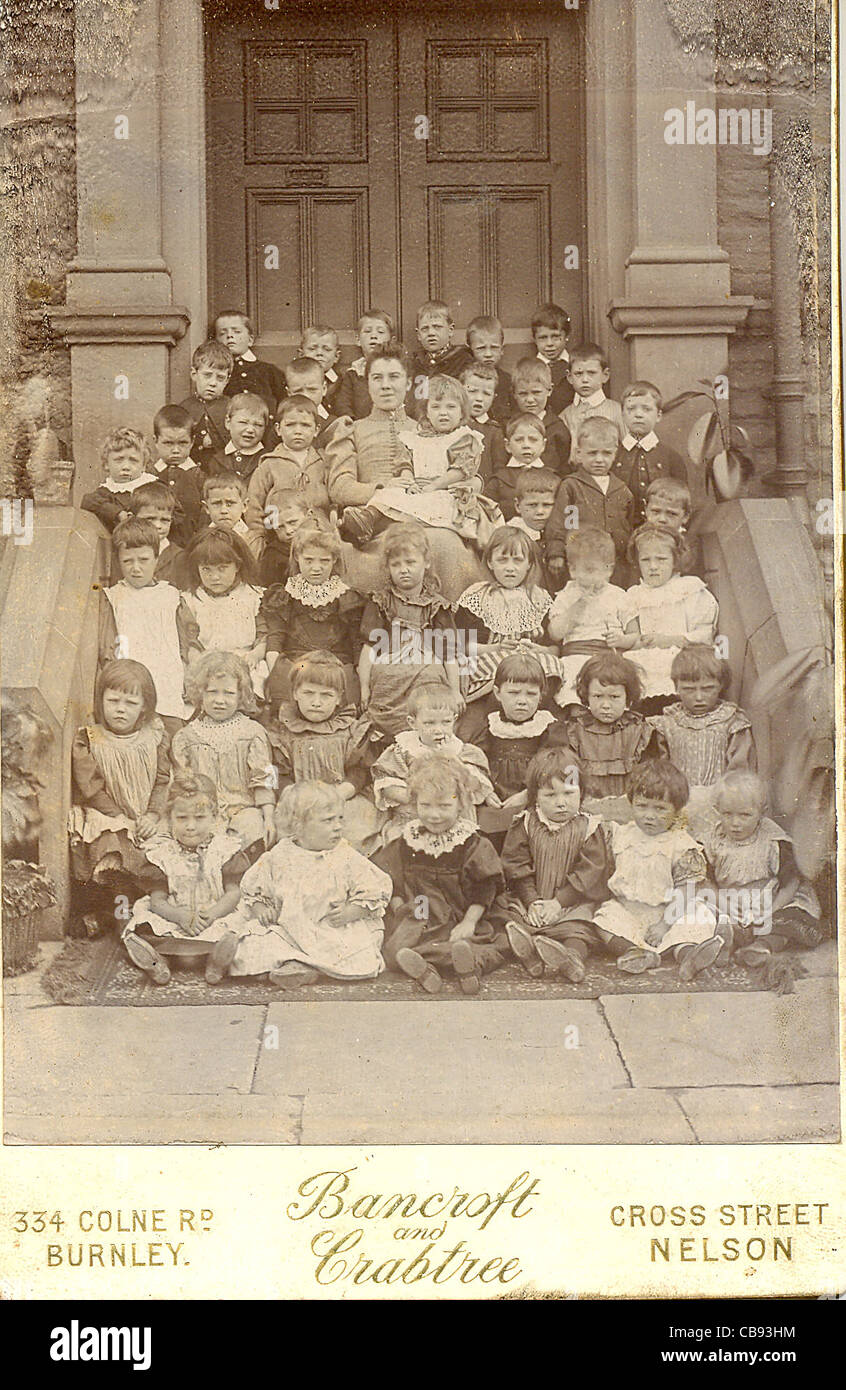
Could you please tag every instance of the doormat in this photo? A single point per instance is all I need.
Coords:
(99, 972)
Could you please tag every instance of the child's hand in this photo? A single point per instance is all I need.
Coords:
(184, 917)
(654, 935)
(146, 825)
(262, 911)
(493, 800)
(205, 917)
(544, 911)
(340, 914)
(269, 835)
(412, 485)
(463, 930)
(516, 802)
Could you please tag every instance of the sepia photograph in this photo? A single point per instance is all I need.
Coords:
(420, 594)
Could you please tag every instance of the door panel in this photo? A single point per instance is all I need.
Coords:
(493, 197)
(324, 199)
(301, 122)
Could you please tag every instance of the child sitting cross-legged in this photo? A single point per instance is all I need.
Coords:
(658, 870)
(761, 894)
(432, 714)
(192, 875)
(317, 736)
(313, 905)
(445, 878)
(553, 860)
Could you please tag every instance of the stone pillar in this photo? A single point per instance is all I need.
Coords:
(674, 308)
(120, 318)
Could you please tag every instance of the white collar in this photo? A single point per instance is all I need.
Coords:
(647, 443)
(530, 728)
(315, 595)
(163, 545)
(162, 467)
(111, 486)
(436, 845)
(481, 419)
(248, 356)
(323, 412)
(358, 366)
(522, 525)
(536, 463)
(244, 453)
(596, 399)
(330, 375)
(563, 356)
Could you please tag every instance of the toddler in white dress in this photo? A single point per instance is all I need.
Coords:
(666, 610)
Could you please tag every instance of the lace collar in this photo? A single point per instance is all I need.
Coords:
(218, 733)
(506, 619)
(435, 845)
(530, 728)
(111, 486)
(291, 719)
(316, 595)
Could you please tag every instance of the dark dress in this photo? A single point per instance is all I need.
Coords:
(294, 628)
(607, 753)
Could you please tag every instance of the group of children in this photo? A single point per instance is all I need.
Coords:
(289, 777)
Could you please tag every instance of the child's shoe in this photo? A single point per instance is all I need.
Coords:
(292, 975)
(753, 956)
(697, 958)
(523, 946)
(465, 966)
(725, 930)
(220, 958)
(638, 959)
(147, 958)
(358, 524)
(410, 963)
(561, 959)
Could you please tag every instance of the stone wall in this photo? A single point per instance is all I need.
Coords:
(38, 219)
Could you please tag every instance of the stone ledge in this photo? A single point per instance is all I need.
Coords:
(141, 323)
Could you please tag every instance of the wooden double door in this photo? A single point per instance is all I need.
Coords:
(361, 157)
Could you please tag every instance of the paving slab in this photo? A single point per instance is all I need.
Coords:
(166, 1119)
(481, 1054)
(763, 1114)
(61, 1050)
(604, 1117)
(722, 1039)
